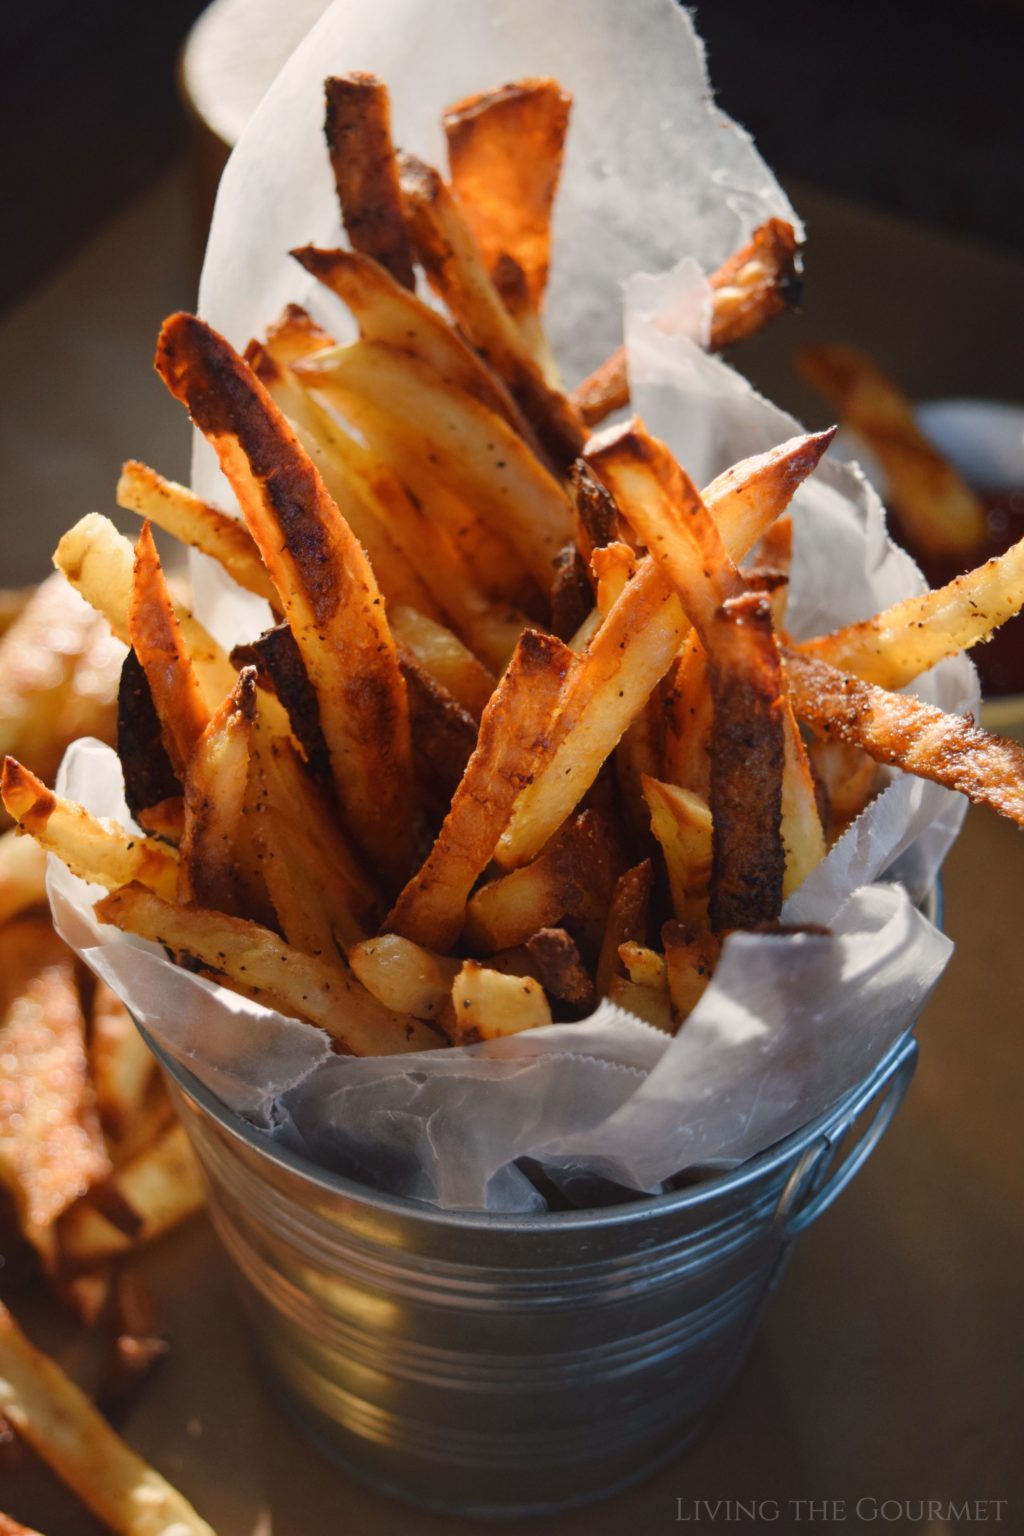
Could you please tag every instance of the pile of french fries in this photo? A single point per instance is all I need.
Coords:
(527, 730)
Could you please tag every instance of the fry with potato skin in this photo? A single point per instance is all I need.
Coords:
(563, 881)
(215, 787)
(358, 131)
(750, 288)
(255, 962)
(505, 152)
(901, 730)
(158, 643)
(104, 853)
(515, 730)
(180, 511)
(326, 586)
(74, 1439)
(455, 270)
(559, 968)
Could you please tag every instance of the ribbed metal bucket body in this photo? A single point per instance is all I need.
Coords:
(505, 1365)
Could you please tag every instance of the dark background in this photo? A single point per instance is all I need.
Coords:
(912, 106)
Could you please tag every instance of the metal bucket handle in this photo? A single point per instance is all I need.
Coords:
(802, 1201)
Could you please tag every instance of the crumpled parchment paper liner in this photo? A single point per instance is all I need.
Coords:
(789, 1024)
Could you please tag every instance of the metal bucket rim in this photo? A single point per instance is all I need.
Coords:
(642, 1208)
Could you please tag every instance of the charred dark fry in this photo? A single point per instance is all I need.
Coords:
(515, 729)
(920, 739)
(560, 969)
(443, 733)
(324, 580)
(747, 759)
(278, 660)
(505, 152)
(148, 775)
(627, 920)
(597, 516)
(749, 289)
(449, 255)
(572, 596)
(358, 131)
(158, 643)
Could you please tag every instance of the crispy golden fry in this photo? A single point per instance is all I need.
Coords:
(747, 761)
(688, 717)
(324, 580)
(444, 656)
(920, 739)
(412, 417)
(255, 962)
(754, 285)
(179, 511)
(121, 1063)
(846, 778)
(559, 968)
(690, 959)
(510, 281)
(645, 967)
(613, 566)
(405, 976)
(899, 644)
(936, 508)
(572, 597)
(216, 778)
(145, 1197)
(22, 875)
(505, 152)
(627, 920)
(635, 645)
(388, 313)
(358, 131)
(563, 881)
(59, 667)
(450, 257)
(774, 550)
(295, 335)
(652, 1004)
(158, 643)
(98, 561)
(100, 851)
(51, 1146)
(342, 465)
(803, 837)
(514, 730)
(63, 1427)
(489, 1004)
(640, 752)
(681, 821)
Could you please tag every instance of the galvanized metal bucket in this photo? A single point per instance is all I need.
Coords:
(497, 1365)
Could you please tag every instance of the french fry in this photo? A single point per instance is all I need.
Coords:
(404, 976)
(144, 1198)
(920, 739)
(158, 643)
(747, 762)
(689, 721)
(803, 837)
(63, 1427)
(449, 255)
(51, 1146)
(846, 776)
(444, 656)
(559, 968)
(572, 597)
(505, 152)
(413, 417)
(690, 959)
(652, 1004)
(635, 646)
(22, 875)
(278, 662)
(489, 1005)
(563, 881)
(216, 780)
(102, 852)
(325, 583)
(513, 731)
(443, 733)
(98, 561)
(613, 566)
(388, 313)
(749, 289)
(937, 508)
(137, 1343)
(149, 777)
(645, 967)
(194, 522)
(681, 821)
(597, 517)
(513, 289)
(907, 639)
(627, 920)
(255, 962)
(121, 1064)
(358, 131)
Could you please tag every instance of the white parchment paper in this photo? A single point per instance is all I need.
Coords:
(656, 182)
